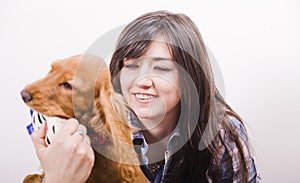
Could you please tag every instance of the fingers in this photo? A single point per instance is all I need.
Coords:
(86, 164)
(71, 134)
(38, 137)
(70, 154)
(69, 162)
(83, 161)
(68, 132)
(70, 126)
(69, 158)
(83, 132)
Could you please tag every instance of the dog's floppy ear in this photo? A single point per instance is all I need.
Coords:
(111, 106)
(104, 107)
(103, 98)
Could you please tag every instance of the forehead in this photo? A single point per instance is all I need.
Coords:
(158, 48)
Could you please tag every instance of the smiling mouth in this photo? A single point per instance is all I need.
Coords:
(144, 97)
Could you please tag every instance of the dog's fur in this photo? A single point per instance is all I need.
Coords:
(80, 87)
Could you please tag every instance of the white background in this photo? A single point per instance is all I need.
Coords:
(256, 44)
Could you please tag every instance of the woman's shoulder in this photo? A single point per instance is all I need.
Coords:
(233, 139)
(232, 126)
(233, 150)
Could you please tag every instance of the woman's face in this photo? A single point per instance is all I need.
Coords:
(150, 85)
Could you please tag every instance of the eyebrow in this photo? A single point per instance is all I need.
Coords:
(153, 58)
(161, 59)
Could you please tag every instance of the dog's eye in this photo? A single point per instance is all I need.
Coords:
(66, 85)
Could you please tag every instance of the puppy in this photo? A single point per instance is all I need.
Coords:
(80, 87)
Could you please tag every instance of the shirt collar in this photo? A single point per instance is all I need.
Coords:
(135, 122)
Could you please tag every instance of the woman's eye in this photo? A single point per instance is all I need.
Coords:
(131, 66)
(66, 85)
(162, 68)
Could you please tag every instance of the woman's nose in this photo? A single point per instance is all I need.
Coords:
(144, 82)
(144, 76)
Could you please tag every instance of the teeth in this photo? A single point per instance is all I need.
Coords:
(144, 97)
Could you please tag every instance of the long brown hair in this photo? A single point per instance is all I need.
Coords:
(202, 107)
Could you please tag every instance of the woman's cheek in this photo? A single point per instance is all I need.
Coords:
(125, 86)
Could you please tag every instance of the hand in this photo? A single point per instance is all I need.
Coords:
(69, 158)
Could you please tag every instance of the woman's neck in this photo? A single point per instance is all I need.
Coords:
(156, 134)
(163, 130)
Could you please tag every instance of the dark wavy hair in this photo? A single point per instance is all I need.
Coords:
(203, 109)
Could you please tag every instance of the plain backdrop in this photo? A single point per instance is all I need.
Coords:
(255, 43)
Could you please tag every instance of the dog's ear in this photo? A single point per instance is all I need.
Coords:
(104, 106)
(111, 107)
(92, 83)
(103, 99)
(103, 93)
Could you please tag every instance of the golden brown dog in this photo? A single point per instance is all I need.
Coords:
(80, 87)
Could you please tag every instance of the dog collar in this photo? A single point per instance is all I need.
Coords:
(97, 139)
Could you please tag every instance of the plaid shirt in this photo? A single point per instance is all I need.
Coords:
(225, 164)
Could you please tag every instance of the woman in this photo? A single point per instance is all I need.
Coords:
(187, 133)
(161, 66)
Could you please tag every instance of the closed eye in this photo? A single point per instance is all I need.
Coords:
(160, 68)
(131, 66)
(66, 85)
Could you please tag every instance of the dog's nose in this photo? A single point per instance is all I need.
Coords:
(26, 96)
